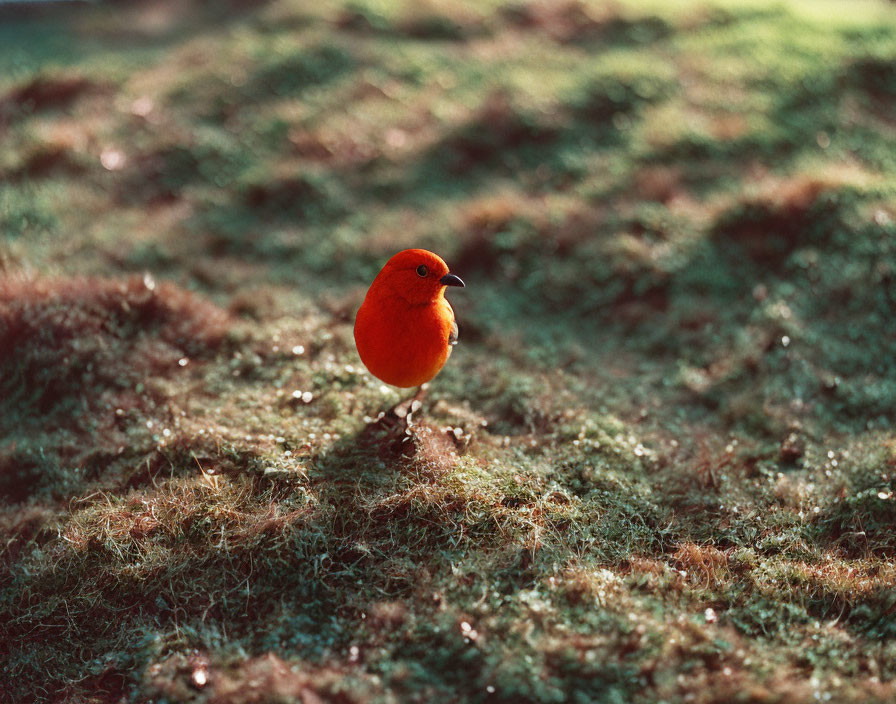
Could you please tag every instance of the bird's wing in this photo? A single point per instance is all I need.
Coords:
(452, 336)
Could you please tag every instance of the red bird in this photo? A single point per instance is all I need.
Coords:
(405, 328)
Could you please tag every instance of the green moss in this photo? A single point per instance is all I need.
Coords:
(658, 466)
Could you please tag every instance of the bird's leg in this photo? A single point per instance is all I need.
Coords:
(401, 414)
(405, 409)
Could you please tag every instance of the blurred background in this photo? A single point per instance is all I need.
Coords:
(676, 222)
(689, 183)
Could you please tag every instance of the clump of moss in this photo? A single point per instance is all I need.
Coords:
(620, 93)
(425, 21)
(291, 74)
(626, 483)
(491, 136)
(25, 470)
(861, 522)
(575, 22)
(49, 91)
(705, 565)
(768, 231)
(875, 77)
(267, 678)
(23, 526)
(495, 231)
(47, 161)
(434, 25)
(291, 197)
(161, 174)
(871, 80)
(562, 21)
(81, 343)
(569, 259)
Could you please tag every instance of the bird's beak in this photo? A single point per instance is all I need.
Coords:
(451, 280)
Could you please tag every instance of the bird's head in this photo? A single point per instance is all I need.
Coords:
(416, 275)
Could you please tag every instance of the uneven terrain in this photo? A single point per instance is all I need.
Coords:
(660, 464)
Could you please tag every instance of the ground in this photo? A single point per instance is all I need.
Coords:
(659, 466)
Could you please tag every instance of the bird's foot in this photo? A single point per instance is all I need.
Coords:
(401, 415)
(398, 422)
(405, 410)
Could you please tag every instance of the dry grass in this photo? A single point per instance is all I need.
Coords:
(659, 466)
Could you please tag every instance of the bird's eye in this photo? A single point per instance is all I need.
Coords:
(422, 270)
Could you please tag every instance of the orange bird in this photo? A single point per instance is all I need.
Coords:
(405, 328)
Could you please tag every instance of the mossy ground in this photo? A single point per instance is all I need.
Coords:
(658, 467)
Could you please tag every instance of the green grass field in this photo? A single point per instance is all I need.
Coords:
(660, 464)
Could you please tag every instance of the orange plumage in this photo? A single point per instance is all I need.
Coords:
(405, 328)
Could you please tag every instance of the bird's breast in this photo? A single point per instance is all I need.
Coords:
(402, 344)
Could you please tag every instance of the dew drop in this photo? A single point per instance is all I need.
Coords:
(142, 106)
(112, 159)
(200, 677)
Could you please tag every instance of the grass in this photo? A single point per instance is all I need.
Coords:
(658, 467)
